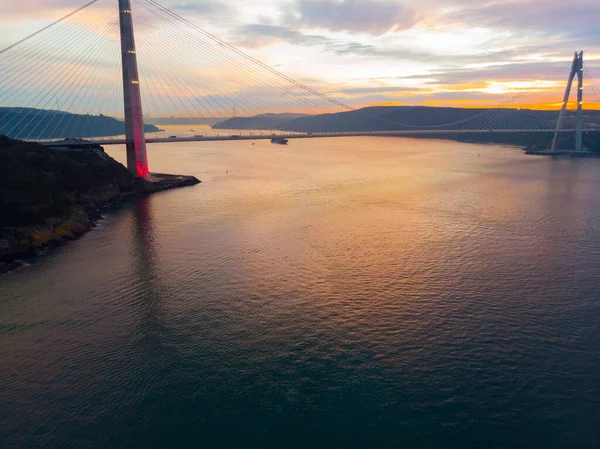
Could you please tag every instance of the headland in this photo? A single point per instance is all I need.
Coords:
(49, 196)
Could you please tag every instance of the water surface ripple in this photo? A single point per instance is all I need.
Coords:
(334, 293)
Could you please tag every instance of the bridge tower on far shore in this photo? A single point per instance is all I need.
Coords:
(576, 70)
(137, 160)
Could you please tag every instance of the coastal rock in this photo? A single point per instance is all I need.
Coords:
(50, 196)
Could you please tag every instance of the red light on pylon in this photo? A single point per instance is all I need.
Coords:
(142, 170)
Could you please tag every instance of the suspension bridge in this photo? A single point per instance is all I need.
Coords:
(90, 71)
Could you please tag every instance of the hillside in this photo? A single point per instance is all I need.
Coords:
(26, 123)
(46, 195)
(170, 121)
(263, 121)
(390, 118)
(394, 118)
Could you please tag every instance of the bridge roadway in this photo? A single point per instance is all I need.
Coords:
(407, 133)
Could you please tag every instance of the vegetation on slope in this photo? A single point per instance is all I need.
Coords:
(27, 123)
(262, 122)
(37, 183)
(392, 118)
(47, 195)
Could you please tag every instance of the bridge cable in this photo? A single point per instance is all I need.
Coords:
(62, 19)
(268, 83)
(56, 78)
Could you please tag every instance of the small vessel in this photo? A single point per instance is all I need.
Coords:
(279, 140)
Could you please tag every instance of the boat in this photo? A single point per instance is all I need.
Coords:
(279, 140)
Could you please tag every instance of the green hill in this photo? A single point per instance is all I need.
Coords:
(399, 118)
(46, 195)
(263, 121)
(32, 124)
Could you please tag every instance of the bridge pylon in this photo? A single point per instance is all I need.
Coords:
(137, 160)
(576, 70)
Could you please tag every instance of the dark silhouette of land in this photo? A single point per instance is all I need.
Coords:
(262, 121)
(32, 124)
(394, 118)
(49, 195)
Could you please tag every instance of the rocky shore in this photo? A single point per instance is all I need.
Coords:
(48, 197)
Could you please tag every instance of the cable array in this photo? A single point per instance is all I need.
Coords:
(70, 67)
(590, 81)
(189, 71)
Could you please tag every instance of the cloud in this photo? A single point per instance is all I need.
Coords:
(31, 9)
(373, 90)
(508, 72)
(374, 17)
(576, 19)
(204, 8)
(260, 35)
(437, 49)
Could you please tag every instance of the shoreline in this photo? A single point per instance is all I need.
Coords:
(560, 153)
(19, 243)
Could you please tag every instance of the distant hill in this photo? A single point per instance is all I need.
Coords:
(393, 118)
(28, 123)
(396, 118)
(262, 121)
(180, 121)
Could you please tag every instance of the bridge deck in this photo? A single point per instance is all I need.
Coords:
(313, 135)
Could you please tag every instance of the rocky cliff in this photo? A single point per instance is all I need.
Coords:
(47, 196)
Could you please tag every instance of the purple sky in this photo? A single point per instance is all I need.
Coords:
(454, 52)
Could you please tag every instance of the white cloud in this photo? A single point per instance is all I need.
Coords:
(359, 16)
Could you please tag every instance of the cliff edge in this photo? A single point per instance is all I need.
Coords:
(48, 196)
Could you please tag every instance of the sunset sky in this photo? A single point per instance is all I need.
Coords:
(427, 52)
